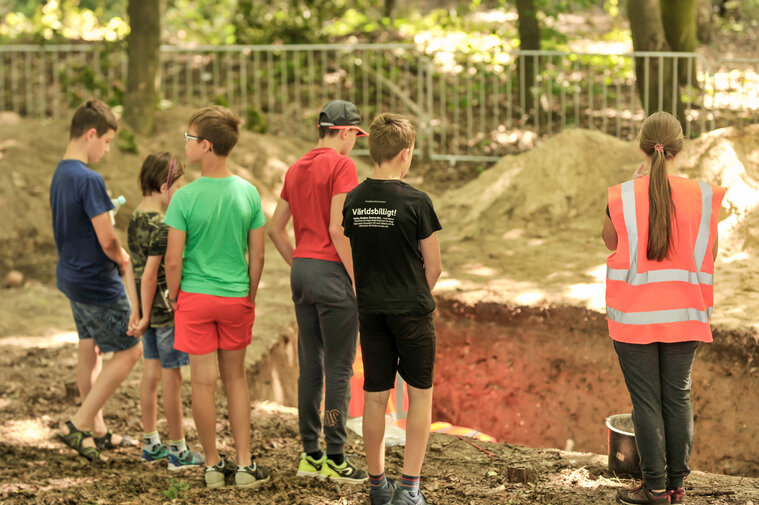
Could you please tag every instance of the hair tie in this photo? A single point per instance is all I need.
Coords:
(659, 147)
(172, 164)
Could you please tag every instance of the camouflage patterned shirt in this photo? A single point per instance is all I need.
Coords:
(147, 236)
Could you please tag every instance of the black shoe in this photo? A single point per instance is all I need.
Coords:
(641, 496)
(403, 497)
(383, 495)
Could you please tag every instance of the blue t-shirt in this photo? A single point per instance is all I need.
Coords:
(84, 273)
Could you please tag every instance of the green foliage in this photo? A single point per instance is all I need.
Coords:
(57, 21)
(81, 79)
(175, 489)
(290, 21)
(255, 121)
(126, 142)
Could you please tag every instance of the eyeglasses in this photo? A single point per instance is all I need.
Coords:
(187, 137)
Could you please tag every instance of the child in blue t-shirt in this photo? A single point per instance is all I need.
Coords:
(90, 263)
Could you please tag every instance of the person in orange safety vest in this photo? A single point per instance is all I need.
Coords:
(659, 291)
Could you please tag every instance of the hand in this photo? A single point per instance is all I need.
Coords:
(640, 172)
(173, 306)
(137, 327)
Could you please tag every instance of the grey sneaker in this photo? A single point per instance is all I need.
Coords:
(402, 497)
(383, 495)
(251, 476)
(215, 475)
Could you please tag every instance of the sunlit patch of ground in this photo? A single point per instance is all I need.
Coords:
(54, 339)
(29, 433)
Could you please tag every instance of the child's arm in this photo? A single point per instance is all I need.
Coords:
(339, 240)
(147, 289)
(278, 230)
(174, 251)
(431, 255)
(110, 242)
(256, 245)
(131, 289)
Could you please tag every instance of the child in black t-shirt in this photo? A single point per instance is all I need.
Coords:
(396, 260)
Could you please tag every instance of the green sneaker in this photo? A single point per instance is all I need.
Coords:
(185, 459)
(158, 452)
(310, 467)
(346, 473)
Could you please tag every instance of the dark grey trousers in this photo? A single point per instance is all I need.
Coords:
(327, 315)
(658, 376)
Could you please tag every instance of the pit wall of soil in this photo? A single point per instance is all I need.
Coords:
(548, 377)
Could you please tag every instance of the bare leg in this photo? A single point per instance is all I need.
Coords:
(232, 368)
(113, 374)
(203, 376)
(172, 402)
(375, 405)
(89, 365)
(151, 376)
(417, 429)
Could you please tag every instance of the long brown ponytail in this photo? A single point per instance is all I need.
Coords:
(661, 138)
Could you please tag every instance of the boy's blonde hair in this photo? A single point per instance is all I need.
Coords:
(155, 172)
(93, 114)
(218, 125)
(389, 134)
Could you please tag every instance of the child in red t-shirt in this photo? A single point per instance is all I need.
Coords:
(322, 284)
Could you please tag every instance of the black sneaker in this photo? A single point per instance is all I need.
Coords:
(247, 477)
(383, 495)
(641, 495)
(403, 497)
(215, 475)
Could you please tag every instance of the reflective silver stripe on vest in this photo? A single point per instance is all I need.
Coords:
(669, 275)
(659, 316)
(702, 241)
(634, 278)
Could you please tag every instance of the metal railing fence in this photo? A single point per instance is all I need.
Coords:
(469, 107)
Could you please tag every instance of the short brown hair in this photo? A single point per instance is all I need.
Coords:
(389, 134)
(93, 114)
(218, 125)
(155, 171)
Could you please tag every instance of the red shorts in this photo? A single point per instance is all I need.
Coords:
(206, 323)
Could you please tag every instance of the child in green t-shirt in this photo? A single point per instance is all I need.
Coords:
(214, 260)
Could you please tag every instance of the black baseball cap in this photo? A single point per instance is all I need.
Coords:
(339, 114)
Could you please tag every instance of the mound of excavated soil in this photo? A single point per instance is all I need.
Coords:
(535, 220)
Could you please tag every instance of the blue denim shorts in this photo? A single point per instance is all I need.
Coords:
(106, 324)
(158, 343)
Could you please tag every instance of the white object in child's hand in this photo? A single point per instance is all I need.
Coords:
(117, 203)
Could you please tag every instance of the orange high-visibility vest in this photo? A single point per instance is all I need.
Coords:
(669, 300)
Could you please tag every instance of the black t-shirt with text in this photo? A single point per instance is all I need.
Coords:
(385, 220)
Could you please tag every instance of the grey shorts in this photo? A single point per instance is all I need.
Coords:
(158, 343)
(105, 324)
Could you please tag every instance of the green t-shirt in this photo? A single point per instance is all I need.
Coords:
(216, 214)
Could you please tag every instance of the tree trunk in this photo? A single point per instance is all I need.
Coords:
(388, 7)
(679, 21)
(648, 35)
(143, 54)
(704, 13)
(529, 38)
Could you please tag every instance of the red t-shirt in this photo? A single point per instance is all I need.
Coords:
(310, 184)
